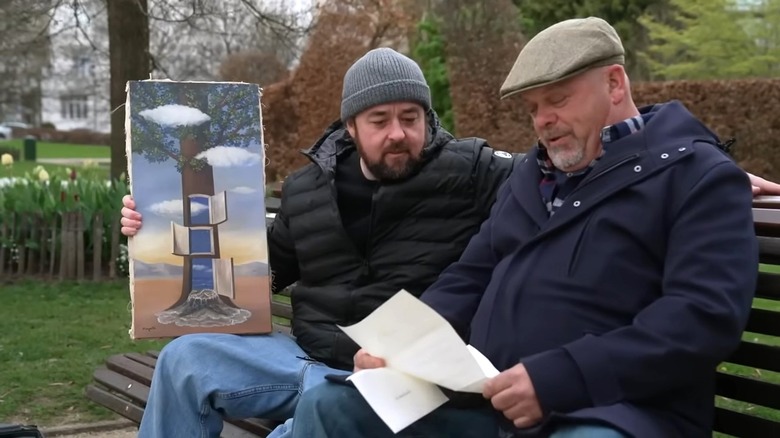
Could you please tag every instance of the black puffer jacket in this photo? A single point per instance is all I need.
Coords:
(418, 227)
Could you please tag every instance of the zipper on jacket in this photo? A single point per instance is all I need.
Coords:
(371, 219)
(335, 205)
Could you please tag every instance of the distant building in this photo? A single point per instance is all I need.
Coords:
(75, 88)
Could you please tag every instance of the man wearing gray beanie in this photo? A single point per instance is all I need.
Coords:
(389, 200)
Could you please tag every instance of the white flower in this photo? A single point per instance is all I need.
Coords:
(43, 175)
(7, 159)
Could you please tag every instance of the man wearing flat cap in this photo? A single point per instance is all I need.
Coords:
(614, 273)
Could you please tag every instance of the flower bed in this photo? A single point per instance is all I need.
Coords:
(62, 227)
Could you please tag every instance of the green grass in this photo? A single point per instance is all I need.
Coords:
(63, 150)
(53, 337)
(20, 168)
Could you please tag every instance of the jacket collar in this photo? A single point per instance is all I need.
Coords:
(669, 137)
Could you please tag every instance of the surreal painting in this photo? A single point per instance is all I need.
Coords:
(196, 166)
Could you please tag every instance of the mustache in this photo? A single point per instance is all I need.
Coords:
(397, 148)
(552, 133)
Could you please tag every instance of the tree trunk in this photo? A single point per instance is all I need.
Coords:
(194, 182)
(128, 42)
(196, 179)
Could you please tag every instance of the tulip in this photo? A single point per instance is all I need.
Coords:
(7, 159)
(43, 175)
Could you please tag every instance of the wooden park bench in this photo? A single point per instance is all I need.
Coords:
(748, 402)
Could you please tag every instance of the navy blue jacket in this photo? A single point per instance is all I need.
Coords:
(621, 304)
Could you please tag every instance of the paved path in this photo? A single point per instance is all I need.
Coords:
(122, 433)
(103, 429)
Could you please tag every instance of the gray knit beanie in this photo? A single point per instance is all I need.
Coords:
(382, 76)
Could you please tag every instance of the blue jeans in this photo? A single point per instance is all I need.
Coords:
(335, 410)
(201, 379)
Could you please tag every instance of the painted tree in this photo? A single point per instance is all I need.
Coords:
(179, 123)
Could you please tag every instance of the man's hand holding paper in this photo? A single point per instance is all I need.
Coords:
(408, 351)
(512, 392)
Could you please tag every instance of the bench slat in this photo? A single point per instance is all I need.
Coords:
(763, 321)
(130, 368)
(768, 286)
(142, 359)
(124, 385)
(114, 403)
(748, 390)
(744, 426)
(282, 310)
(273, 205)
(769, 250)
(767, 230)
(766, 357)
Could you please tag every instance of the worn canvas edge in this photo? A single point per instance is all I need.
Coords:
(128, 159)
(200, 82)
(264, 148)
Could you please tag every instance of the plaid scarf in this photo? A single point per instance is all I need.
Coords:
(556, 185)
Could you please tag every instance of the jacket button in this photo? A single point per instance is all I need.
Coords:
(664, 156)
(638, 169)
(576, 203)
(681, 149)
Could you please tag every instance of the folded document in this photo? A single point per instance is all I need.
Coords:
(421, 350)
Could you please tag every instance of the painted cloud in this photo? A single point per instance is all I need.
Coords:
(175, 115)
(226, 156)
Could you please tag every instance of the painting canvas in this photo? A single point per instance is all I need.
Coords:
(196, 167)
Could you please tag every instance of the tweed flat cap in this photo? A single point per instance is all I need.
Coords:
(563, 50)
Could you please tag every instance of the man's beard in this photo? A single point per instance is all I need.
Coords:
(566, 159)
(384, 171)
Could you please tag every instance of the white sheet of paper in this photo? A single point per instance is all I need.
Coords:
(399, 399)
(414, 339)
(487, 368)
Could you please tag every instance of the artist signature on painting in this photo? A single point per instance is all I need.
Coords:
(149, 329)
